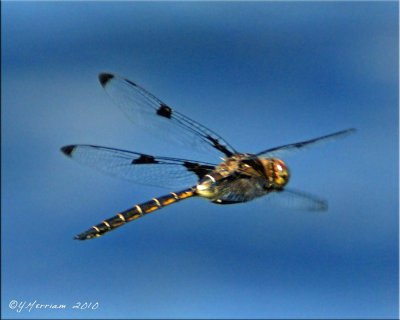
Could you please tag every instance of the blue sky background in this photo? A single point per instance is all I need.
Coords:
(261, 74)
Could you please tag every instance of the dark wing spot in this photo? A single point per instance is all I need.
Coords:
(104, 78)
(199, 169)
(144, 159)
(300, 144)
(164, 111)
(219, 146)
(67, 150)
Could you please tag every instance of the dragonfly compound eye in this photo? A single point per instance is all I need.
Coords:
(281, 173)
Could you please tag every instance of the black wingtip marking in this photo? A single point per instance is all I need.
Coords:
(68, 150)
(104, 78)
(144, 159)
(164, 111)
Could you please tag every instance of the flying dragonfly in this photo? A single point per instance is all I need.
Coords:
(240, 177)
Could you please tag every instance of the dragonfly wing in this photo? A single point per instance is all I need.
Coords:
(139, 167)
(298, 200)
(303, 144)
(147, 111)
(243, 190)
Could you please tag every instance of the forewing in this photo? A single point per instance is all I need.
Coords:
(277, 151)
(147, 111)
(138, 167)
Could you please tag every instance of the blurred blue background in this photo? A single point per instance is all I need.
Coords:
(261, 74)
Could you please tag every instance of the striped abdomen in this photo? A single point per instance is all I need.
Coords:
(134, 213)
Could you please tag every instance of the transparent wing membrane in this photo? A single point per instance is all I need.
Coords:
(139, 167)
(277, 151)
(150, 113)
(297, 200)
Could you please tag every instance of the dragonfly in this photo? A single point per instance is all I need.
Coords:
(238, 178)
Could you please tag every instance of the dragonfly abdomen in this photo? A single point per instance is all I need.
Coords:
(134, 213)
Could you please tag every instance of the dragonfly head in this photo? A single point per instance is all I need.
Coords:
(277, 172)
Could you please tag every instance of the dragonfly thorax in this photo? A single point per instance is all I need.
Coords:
(243, 177)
